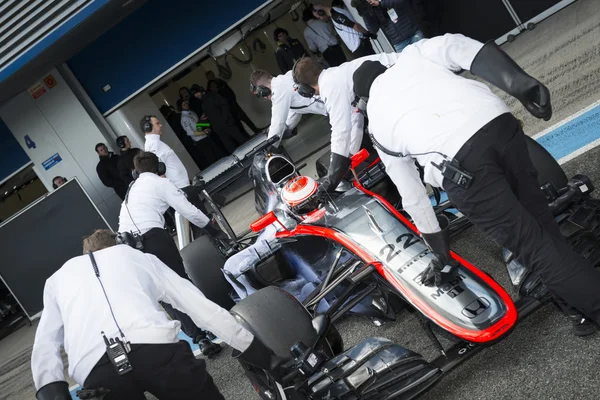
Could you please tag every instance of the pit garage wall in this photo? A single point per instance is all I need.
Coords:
(59, 137)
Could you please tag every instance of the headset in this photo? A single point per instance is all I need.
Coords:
(162, 169)
(121, 142)
(260, 91)
(147, 124)
(303, 89)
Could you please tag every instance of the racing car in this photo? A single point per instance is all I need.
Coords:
(372, 252)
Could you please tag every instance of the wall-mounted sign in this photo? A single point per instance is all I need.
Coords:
(50, 81)
(51, 162)
(37, 90)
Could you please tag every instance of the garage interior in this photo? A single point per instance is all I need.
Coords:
(560, 50)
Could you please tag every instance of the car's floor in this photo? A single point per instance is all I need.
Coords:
(540, 359)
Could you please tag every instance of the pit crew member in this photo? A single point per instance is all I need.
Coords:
(118, 298)
(471, 145)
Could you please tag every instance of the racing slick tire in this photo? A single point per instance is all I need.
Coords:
(204, 264)
(279, 321)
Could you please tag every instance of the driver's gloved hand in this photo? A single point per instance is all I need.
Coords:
(214, 230)
(259, 355)
(443, 267)
(496, 67)
(54, 391)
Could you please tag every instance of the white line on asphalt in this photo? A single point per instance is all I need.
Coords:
(579, 151)
(564, 121)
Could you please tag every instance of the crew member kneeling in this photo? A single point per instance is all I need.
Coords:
(142, 216)
(471, 146)
(113, 292)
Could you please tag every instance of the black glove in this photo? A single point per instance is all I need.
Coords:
(213, 229)
(496, 67)
(443, 267)
(54, 391)
(259, 355)
(338, 166)
(372, 36)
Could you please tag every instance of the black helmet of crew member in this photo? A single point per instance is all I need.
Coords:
(300, 195)
(363, 79)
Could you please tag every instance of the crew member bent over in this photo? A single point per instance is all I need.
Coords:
(113, 291)
(471, 145)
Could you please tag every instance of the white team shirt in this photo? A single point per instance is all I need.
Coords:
(150, 196)
(189, 119)
(336, 89)
(76, 311)
(176, 171)
(283, 97)
(350, 37)
(420, 105)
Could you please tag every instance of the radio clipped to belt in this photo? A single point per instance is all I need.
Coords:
(116, 348)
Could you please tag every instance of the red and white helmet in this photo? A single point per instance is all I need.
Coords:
(299, 194)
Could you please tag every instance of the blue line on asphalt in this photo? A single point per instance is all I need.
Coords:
(573, 135)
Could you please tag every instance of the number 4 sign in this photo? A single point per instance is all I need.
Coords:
(30, 143)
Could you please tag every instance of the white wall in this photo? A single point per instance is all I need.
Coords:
(57, 123)
(126, 121)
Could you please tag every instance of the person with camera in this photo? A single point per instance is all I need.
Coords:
(142, 224)
(102, 307)
(287, 106)
(335, 87)
(125, 163)
(470, 144)
(356, 37)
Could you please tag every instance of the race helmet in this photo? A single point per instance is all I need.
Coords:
(300, 195)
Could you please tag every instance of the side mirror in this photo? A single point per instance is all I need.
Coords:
(359, 158)
(263, 222)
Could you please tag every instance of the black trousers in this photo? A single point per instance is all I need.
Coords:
(168, 371)
(364, 49)
(160, 243)
(334, 55)
(507, 204)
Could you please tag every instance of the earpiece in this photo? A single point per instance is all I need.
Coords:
(260, 91)
(147, 124)
(162, 168)
(121, 142)
(303, 89)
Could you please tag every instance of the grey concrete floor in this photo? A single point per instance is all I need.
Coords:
(540, 359)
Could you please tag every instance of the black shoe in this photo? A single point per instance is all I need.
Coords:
(209, 349)
(583, 326)
(210, 336)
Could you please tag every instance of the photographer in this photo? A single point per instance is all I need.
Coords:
(113, 292)
(471, 145)
(142, 220)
